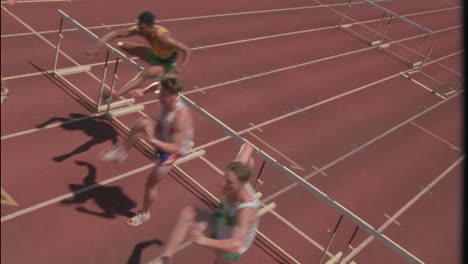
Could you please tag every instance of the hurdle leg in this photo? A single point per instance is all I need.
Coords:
(104, 73)
(349, 248)
(60, 36)
(421, 45)
(345, 13)
(331, 239)
(378, 28)
(112, 85)
(259, 176)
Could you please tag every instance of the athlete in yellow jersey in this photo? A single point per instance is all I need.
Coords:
(161, 53)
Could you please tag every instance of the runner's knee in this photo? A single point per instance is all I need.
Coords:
(152, 72)
(187, 214)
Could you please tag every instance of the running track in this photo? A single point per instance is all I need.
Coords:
(318, 100)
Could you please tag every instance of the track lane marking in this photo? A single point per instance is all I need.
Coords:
(436, 137)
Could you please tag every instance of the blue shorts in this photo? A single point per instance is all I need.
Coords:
(164, 158)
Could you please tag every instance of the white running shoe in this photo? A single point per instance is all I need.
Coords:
(138, 219)
(114, 154)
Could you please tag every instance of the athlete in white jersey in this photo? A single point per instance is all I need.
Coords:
(235, 221)
(171, 135)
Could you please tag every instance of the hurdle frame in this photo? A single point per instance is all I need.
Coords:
(390, 16)
(109, 50)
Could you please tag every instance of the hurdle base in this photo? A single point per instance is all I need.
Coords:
(375, 43)
(335, 258)
(72, 70)
(384, 46)
(116, 104)
(416, 64)
(123, 111)
(404, 75)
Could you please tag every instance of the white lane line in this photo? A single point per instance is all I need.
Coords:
(403, 209)
(71, 194)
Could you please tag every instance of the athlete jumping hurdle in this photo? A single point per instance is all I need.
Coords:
(235, 222)
(161, 54)
(171, 135)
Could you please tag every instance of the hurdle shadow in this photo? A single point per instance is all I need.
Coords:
(135, 257)
(99, 130)
(110, 199)
(65, 87)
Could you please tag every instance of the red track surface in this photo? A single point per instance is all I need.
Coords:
(317, 96)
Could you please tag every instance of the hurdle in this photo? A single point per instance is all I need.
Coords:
(307, 186)
(380, 35)
(60, 73)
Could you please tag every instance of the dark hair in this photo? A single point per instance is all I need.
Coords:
(171, 84)
(146, 17)
(240, 169)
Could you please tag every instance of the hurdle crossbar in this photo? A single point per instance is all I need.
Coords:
(93, 36)
(384, 46)
(393, 14)
(307, 186)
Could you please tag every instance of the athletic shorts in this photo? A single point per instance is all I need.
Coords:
(164, 158)
(231, 256)
(167, 64)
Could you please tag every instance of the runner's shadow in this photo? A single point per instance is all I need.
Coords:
(138, 249)
(110, 199)
(99, 130)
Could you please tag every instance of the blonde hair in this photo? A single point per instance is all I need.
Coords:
(240, 169)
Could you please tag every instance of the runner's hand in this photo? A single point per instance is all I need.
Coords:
(136, 92)
(197, 237)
